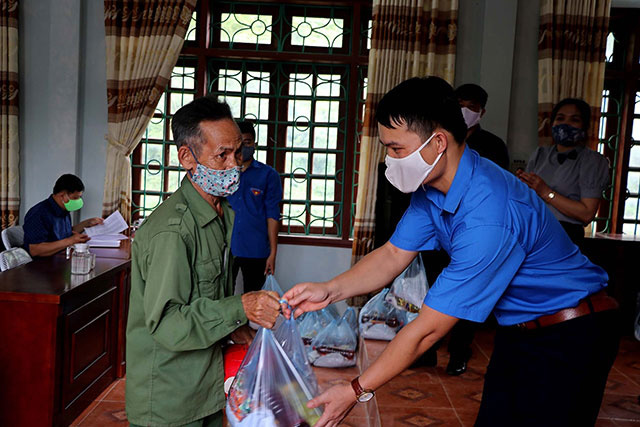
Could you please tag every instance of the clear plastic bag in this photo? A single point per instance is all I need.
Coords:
(289, 338)
(313, 323)
(351, 317)
(270, 284)
(409, 288)
(268, 390)
(335, 346)
(380, 320)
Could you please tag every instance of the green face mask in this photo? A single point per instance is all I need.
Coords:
(73, 205)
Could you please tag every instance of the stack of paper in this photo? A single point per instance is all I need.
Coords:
(108, 234)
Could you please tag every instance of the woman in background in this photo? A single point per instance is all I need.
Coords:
(567, 175)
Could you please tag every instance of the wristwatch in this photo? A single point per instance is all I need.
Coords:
(550, 196)
(362, 395)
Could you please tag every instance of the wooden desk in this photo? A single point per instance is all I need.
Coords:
(62, 338)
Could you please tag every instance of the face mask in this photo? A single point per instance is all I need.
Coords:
(408, 173)
(247, 152)
(218, 183)
(73, 205)
(567, 135)
(471, 118)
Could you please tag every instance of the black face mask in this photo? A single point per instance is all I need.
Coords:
(247, 152)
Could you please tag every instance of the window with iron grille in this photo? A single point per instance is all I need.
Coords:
(298, 72)
(620, 124)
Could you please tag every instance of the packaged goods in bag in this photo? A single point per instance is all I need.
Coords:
(335, 346)
(380, 320)
(351, 317)
(270, 284)
(313, 322)
(233, 357)
(268, 390)
(289, 338)
(409, 288)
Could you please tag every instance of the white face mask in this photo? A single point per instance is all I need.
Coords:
(408, 173)
(471, 118)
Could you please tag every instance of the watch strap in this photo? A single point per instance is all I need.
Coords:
(357, 388)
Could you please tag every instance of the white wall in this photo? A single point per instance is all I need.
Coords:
(62, 98)
(497, 49)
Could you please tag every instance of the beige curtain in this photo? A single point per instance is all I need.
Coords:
(410, 38)
(571, 58)
(9, 142)
(143, 38)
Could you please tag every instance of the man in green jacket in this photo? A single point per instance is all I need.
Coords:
(182, 307)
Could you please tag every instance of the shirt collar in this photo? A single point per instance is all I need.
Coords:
(57, 210)
(459, 186)
(202, 211)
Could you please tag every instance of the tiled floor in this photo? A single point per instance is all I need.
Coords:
(428, 396)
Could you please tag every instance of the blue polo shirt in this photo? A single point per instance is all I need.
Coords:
(508, 253)
(257, 199)
(46, 222)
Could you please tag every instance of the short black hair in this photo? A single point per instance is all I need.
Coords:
(247, 127)
(423, 104)
(472, 92)
(69, 183)
(185, 124)
(581, 105)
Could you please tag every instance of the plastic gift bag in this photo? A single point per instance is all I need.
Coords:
(380, 320)
(312, 324)
(351, 317)
(335, 346)
(268, 390)
(270, 284)
(409, 288)
(289, 338)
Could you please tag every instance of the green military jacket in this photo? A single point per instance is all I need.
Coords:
(180, 310)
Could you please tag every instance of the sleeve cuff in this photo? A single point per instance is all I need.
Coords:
(236, 316)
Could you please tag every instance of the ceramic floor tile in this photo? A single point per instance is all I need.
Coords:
(403, 396)
(106, 414)
(467, 416)
(117, 392)
(621, 384)
(618, 407)
(417, 417)
(85, 413)
(464, 396)
(605, 422)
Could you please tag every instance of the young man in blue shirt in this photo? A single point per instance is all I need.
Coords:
(254, 242)
(509, 256)
(47, 225)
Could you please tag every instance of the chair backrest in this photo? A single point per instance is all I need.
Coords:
(13, 237)
(13, 257)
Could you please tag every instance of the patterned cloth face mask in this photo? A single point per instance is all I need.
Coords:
(218, 183)
(567, 135)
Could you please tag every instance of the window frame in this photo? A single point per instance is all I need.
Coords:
(623, 74)
(353, 56)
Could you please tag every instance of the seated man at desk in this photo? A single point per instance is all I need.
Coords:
(47, 225)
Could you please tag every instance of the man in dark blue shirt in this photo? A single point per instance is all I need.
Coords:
(254, 242)
(47, 225)
(557, 338)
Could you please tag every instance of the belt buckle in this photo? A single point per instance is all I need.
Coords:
(522, 326)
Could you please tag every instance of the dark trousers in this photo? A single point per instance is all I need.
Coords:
(552, 376)
(252, 272)
(460, 339)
